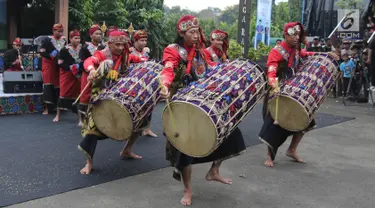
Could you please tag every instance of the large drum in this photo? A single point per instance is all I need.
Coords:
(207, 111)
(122, 109)
(302, 95)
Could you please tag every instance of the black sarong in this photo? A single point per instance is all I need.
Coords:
(232, 146)
(274, 136)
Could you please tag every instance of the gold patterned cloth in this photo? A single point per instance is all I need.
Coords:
(111, 77)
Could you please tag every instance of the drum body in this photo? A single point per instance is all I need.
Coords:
(302, 95)
(201, 115)
(122, 109)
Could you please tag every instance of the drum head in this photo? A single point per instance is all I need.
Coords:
(189, 129)
(291, 115)
(112, 119)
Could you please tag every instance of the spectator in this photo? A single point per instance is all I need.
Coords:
(348, 68)
(315, 46)
(328, 46)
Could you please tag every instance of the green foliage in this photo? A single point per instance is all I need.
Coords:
(148, 15)
(261, 51)
(81, 15)
(234, 50)
(113, 12)
(230, 14)
(281, 16)
(350, 4)
(295, 10)
(159, 20)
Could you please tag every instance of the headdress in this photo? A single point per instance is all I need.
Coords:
(94, 28)
(58, 27)
(223, 36)
(140, 34)
(17, 41)
(74, 33)
(117, 37)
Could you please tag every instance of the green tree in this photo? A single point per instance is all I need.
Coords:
(280, 18)
(350, 4)
(230, 14)
(295, 9)
(148, 15)
(113, 12)
(81, 13)
(234, 50)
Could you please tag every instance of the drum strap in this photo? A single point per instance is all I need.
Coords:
(283, 52)
(215, 58)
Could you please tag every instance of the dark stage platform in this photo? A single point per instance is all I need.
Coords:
(40, 158)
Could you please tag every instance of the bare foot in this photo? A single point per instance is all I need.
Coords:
(80, 124)
(129, 154)
(45, 112)
(87, 169)
(212, 176)
(148, 132)
(186, 200)
(56, 119)
(294, 156)
(268, 163)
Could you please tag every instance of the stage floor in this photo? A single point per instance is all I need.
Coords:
(41, 158)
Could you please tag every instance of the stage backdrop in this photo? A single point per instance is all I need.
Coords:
(263, 22)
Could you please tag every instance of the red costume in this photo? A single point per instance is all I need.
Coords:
(105, 54)
(49, 50)
(196, 63)
(70, 73)
(215, 54)
(283, 62)
(88, 50)
(89, 130)
(194, 56)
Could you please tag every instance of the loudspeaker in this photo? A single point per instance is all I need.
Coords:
(23, 82)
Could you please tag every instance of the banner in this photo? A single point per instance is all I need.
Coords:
(244, 26)
(263, 22)
(349, 29)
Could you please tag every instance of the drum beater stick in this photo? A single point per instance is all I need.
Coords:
(176, 134)
(87, 85)
(277, 103)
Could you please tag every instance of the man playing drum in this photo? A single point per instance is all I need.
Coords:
(217, 52)
(185, 61)
(283, 62)
(140, 49)
(116, 58)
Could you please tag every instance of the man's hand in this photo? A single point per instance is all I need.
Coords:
(146, 49)
(92, 76)
(334, 55)
(17, 61)
(107, 65)
(164, 93)
(53, 54)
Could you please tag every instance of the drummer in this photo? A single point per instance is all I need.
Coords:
(116, 58)
(140, 49)
(283, 61)
(217, 52)
(186, 58)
